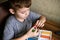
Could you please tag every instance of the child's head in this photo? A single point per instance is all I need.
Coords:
(20, 8)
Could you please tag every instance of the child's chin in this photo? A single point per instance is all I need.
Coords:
(25, 17)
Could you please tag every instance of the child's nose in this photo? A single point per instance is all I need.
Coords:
(25, 13)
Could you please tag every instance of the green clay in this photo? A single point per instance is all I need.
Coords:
(33, 30)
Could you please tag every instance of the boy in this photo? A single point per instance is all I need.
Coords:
(19, 25)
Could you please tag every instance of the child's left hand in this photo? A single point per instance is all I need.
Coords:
(41, 21)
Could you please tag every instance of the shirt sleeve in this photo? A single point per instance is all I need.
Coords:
(8, 32)
(34, 16)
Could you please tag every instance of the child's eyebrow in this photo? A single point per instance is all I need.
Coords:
(24, 11)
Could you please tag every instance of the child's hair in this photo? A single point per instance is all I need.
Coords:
(16, 4)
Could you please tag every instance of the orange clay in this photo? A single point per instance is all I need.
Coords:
(46, 32)
(45, 36)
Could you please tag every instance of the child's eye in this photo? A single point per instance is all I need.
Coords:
(22, 13)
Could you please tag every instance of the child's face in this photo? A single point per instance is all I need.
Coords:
(22, 13)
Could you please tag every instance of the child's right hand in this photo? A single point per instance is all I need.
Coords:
(32, 34)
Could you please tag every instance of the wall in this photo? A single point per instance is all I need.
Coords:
(48, 8)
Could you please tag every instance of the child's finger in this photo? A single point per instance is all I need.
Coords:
(32, 28)
(37, 22)
(42, 25)
(37, 32)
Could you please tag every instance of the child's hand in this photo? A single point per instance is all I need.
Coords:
(32, 34)
(40, 23)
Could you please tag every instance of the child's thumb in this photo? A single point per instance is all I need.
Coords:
(32, 28)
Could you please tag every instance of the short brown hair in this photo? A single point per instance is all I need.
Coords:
(15, 4)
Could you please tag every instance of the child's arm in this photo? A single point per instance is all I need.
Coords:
(22, 38)
(28, 35)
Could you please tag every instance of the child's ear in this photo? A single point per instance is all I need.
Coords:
(11, 11)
